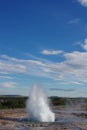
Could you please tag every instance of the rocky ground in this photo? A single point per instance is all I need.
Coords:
(66, 120)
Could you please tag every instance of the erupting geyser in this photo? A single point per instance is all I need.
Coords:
(38, 106)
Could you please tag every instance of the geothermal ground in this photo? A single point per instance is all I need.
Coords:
(67, 118)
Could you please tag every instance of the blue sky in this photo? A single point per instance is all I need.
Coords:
(43, 42)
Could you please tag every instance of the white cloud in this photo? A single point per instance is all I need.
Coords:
(77, 43)
(84, 45)
(73, 69)
(2, 92)
(83, 2)
(10, 64)
(74, 21)
(6, 77)
(72, 82)
(51, 52)
(77, 64)
(8, 85)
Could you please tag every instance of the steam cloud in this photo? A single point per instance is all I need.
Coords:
(38, 106)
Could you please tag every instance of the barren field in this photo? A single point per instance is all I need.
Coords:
(66, 119)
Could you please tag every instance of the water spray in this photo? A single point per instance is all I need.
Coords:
(38, 106)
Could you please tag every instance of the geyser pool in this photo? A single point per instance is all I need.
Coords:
(38, 106)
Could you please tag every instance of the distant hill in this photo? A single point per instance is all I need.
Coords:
(12, 96)
(9, 95)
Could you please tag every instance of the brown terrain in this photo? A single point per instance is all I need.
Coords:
(66, 119)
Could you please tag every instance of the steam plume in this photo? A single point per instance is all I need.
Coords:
(38, 106)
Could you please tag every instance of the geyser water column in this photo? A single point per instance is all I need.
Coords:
(38, 106)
